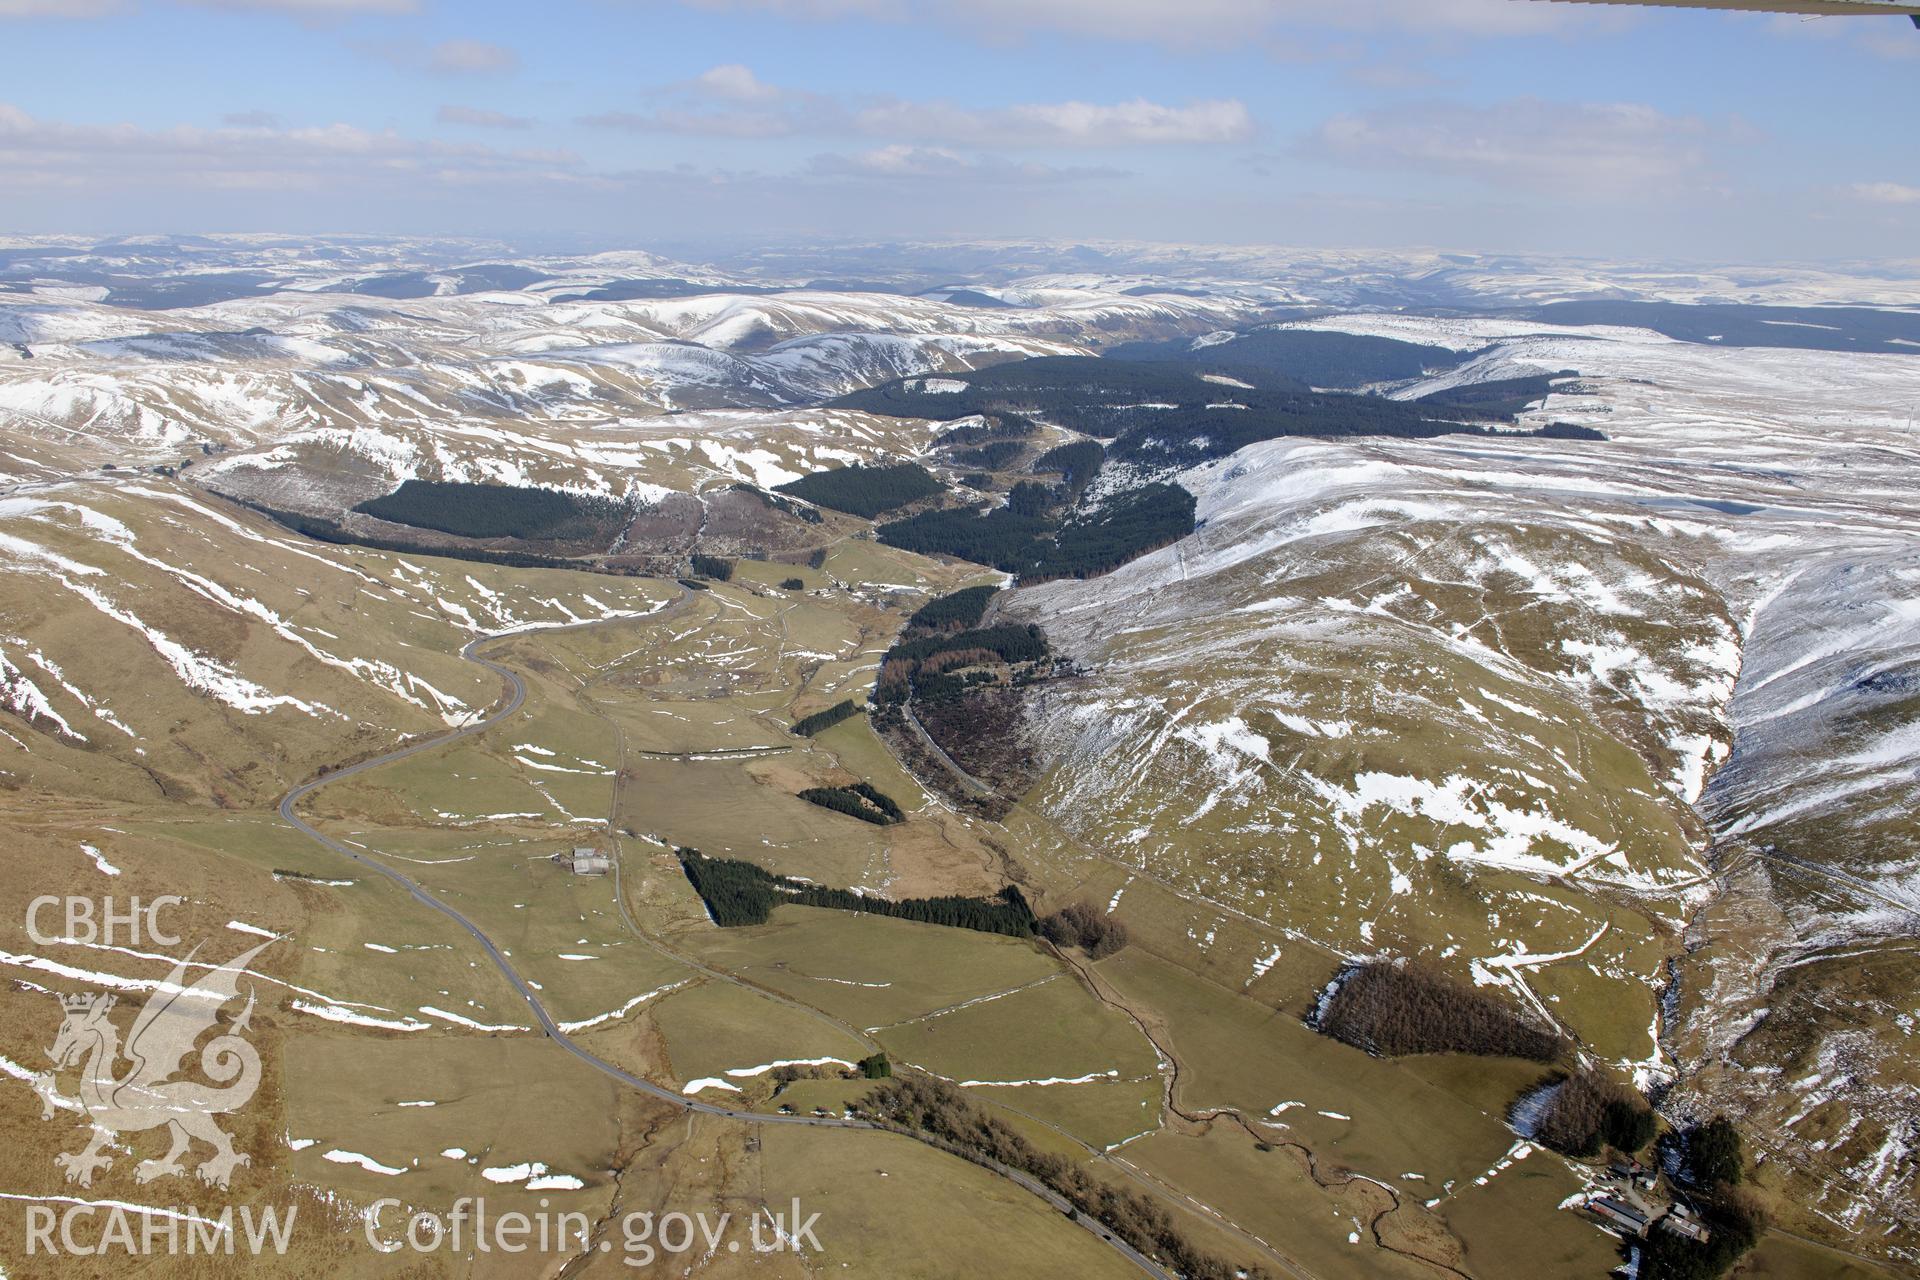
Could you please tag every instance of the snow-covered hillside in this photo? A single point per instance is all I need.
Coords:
(1468, 696)
(1624, 728)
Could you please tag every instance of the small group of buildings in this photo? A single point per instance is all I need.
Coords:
(585, 860)
(1631, 1205)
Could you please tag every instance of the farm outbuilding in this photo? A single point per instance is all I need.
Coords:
(585, 861)
(1619, 1215)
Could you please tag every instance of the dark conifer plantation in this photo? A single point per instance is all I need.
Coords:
(1080, 924)
(1390, 1009)
(1590, 1111)
(739, 893)
(866, 491)
(959, 611)
(821, 721)
(501, 511)
(862, 800)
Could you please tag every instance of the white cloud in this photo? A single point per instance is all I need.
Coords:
(1189, 22)
(1620, 149)
(480, 118)
(105, 162)
(735, 83)
(1217, 21)
(122, 157)
(308, 9)
(471, 57)
(447, 58)
(733, 123)
(60, 8)
(731, 101)
(311, 8)
(902, 161)
(1062, 124)
(1885, 193)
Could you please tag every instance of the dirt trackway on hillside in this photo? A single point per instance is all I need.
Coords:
(516, 696)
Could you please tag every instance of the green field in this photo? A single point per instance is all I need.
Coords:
(1052, 1029)
(716, 1027)
(890, 1206)
(871, 971)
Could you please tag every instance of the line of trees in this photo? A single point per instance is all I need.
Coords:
(1032, 537)
(914, 668)
(332, 532)
(962, 681)
(821, 721)
(1590, 1111)
(1319, 358)
(993, 456)
(1193, 433)
(1712, 1153)
(1125, 527)
(719, 568)
(1010, 641)
(1076, 464)
(1096, 396)
(862, 800)
(1568, 431)
(957, 611)
(866, 491)
(1818, 328)
(1001, 427)
(1498, 401)
(738, 893)
(1711, 1161)
(502, 511)
(1390, 1008)
(1082, 925)
(786, 506)
(1163, 411)
(925, 1105)
(1001, 536)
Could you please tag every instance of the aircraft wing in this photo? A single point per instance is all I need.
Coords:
(1825, 7)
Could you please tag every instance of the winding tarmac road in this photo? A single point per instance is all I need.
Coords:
(516, 697)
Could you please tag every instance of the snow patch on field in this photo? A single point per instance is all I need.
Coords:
(708, 1082)
(614, 1015)
(742, 1073)
(334, 1013)
(365, 1162)
(106, 868)
(461, 1020)
(1089, 1078)
(534, 1175)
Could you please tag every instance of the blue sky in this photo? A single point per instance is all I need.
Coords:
(1481, 125)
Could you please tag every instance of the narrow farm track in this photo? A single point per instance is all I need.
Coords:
(592, 707)
(516, 689)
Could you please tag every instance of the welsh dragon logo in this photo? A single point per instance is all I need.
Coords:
(147, 1095)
